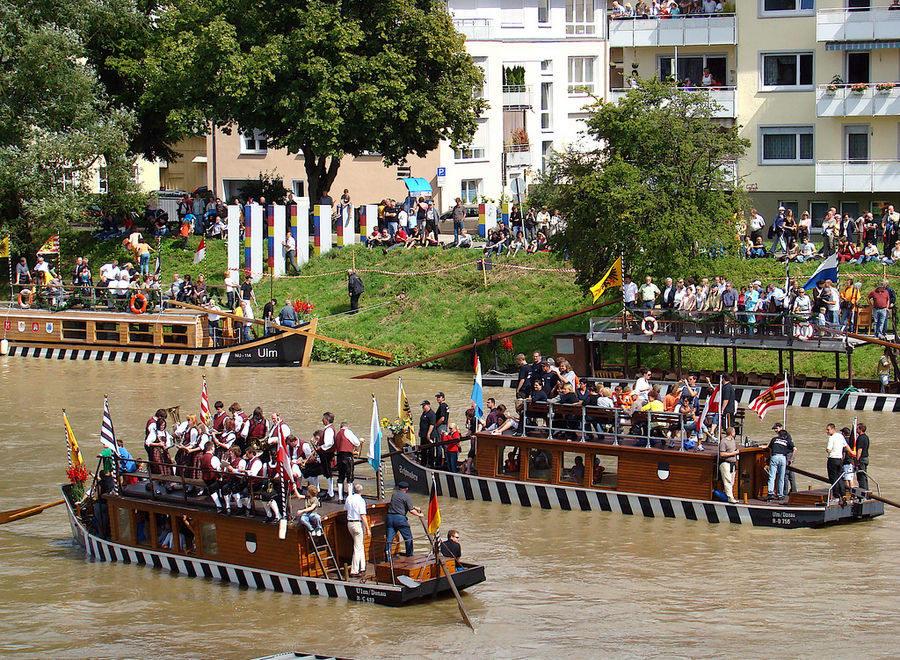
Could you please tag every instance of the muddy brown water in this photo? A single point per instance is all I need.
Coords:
(560, 584)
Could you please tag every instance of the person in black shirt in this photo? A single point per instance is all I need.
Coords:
(780, 447)
(442, 419)
(729, 404)
(269, 315)
(395, 521)
(355, 288)
(451, 547)
(537, 396)
(523, 385)
(790, 479)
(550, 380)
(861, 454)
(426, 430)
(247, 289)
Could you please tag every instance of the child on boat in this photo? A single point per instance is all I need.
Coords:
(308, 516)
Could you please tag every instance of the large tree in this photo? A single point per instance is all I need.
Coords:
(323, 78)
(55, 124)
(657, 189)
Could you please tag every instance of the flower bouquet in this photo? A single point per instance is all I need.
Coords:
(77, 475)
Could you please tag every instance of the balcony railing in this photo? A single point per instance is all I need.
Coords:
(724, 97)
(476, 29)
(516, 97)
(844, 101)
(517, 155)
(857, 24)
(867, 176)
(720, 29)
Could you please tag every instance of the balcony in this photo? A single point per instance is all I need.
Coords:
(857, 25)
(857, 176)
(720, 29)
(475, 29)
(724, 97)
(868, 102)
(517, 155)
(517, 97)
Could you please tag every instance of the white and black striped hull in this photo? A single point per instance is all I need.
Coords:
(571, 498)
(136, 357)
(253, 578)
(801, 398)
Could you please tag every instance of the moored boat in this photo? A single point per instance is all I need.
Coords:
(168, 337)
(140, 523)
(618, 472)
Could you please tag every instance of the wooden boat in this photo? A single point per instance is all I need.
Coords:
(168, 337)
(638, 478)
(125, 525)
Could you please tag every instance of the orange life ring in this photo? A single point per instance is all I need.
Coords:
(650, 326)
(30, 294)
(143, 307)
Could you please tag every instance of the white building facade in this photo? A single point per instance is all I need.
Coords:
(543, 59)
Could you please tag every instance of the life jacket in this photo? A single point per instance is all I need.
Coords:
(206, 470)
(342, 443)
(218, 420)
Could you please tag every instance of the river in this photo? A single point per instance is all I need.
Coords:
(560, 584)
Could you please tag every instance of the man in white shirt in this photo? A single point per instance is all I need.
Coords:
(835, 451)
(757, 224)
(358, 525)
(290, 252)
(642, 386)
(629, 292)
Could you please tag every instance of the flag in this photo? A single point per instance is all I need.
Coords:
(477, 390)
(403, 410)
(4, 248)
(201, 251)
(787, 278)
(283, 457)
(827, 270)
(434, 513)
(774, 397)
(50, 246)
(75, 456)
(713, 402)
(204, 404)
(107, 432)
(612, 278)
(374, 455)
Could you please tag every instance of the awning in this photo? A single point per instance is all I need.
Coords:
(416, 184)
(861, 45)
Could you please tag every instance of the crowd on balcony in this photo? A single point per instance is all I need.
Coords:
(665, 8)
(854, 240)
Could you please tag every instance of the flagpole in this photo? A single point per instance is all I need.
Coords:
(787, 399)
(68, 445)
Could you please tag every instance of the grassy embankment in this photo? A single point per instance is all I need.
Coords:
(414, 316)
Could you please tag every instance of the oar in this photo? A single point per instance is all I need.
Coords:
(493, 338)
(813, 475)
(864, 338)
(25, 512)
(440, 558)
(284, 328)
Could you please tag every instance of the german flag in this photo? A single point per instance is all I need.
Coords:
(434, 513)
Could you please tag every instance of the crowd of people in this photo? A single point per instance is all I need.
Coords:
(665, 8)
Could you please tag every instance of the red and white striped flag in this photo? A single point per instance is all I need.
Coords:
(283, 457)
(774, 397)
(201, 250)
(204, 404)
(107, 432)
(713, 402)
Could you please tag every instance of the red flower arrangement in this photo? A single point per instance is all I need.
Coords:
(507, 343)
(77, 474)
(302, 307)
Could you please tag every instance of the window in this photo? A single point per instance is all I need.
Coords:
(544, 12)
(478, 93)
(469, 190)
(605, 471)
(106, 331)
(175, 334)
(790, 205)
(476, 150)
(850, 207)
(782, 6)
(298, 186)
(856, 143)
(782, 145)
(580, 17)
(104, 182)
(254, 142)
(547, 106)
(208, 542)
(123, 516)
(581, 75)
(540, 463)
(572, 470)
(787, 70)
(508, 461)
(692, 67)
(140, 333)
(546, 152)
(74, 330)
(858, 69)
(546, 67)
(817, 211)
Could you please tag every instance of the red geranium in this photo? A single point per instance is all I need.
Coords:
(77, 474)
(507, 343)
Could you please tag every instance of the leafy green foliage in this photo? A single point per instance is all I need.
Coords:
(655, 189)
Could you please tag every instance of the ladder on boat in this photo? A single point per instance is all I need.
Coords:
(325, 556)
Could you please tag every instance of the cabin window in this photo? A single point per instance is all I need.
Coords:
(208, 541)
(175, 334)
(107, 331)
(74, 330)
(540, 462)
(123, 517)
(508, 461)
(573, 468)
(140, 333)
(606, 471)
(184, 542)
(163, 531)
(141, 527)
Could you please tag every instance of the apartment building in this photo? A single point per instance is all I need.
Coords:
(811, 83)
(543, 59)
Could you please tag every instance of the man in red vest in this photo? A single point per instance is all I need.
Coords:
(346, 444)
(209, 472)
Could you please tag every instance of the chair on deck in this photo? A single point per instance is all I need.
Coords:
(863, 319)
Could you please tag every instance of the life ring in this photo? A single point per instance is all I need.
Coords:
(803, 331)
(143, 303)
(649, 325)
(30, 294)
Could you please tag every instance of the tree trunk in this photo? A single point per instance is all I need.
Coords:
(320, 173)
